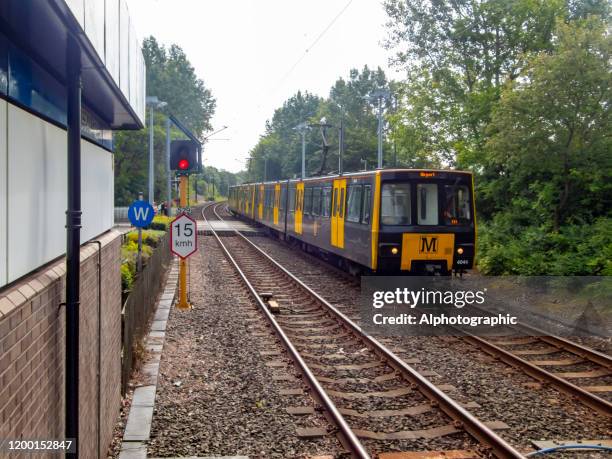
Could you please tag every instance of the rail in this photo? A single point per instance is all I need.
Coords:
(455, 411)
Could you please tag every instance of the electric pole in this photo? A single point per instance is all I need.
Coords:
(379, 95)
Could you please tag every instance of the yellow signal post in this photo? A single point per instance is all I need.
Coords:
(183, 304)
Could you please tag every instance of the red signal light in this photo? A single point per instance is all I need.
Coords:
(183, 164)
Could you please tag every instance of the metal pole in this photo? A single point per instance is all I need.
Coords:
(340, 146)
(266, 169)
(139, 257)
(394, 139)
(73, 242)
(380, 129)
(151, 165)
(303, 154)
(168, 171)
(183, 304)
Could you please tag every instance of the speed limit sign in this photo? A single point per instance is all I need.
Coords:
(183, 236)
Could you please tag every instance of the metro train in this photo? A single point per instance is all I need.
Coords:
(401, 221)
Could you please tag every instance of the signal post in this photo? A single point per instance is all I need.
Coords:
(183, 229)
(183, 304)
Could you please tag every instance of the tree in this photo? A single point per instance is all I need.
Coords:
(458, 55)
(172, 79)
(347, 103)
(550, 134)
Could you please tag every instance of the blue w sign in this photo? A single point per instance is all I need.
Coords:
(141, 214)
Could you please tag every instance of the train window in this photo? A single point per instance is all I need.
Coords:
(457, 208)
(316, 201)
(353, 213)
(341, 207)
(308, 201)
(427, 203)
(395, 204)
(326, 202)
(291, 199)
(335, 203)
(283, 197)
(367, 204)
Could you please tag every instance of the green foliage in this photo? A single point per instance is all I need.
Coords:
(160, 223)
(149, 237)
(550, 133)
(127, 278)
(576, 250)
(347, 103)
(172, 79)
(213, 178)
(519, 93)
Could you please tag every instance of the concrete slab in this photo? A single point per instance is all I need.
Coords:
(154, 348)
(161, 314)
(133, 450)
(165, 304)
(158, 325)
(138, 427)
(144, 396)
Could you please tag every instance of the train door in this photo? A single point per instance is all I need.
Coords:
(261, 202)
(338, 212)
(299, 206)
(277, 193)
(251, 196)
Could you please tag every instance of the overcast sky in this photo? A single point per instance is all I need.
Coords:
(244, 51)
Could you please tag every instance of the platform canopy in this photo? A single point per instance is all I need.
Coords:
(113, 70)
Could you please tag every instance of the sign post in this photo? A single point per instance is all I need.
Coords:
(141, 214)
(184, 243)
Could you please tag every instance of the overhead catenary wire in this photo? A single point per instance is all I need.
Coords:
(312, 45)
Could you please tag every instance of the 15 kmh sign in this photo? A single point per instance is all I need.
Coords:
(183, 236)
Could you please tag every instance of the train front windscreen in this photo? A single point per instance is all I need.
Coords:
(425, 204)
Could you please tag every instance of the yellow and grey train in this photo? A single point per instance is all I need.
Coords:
(401, 221)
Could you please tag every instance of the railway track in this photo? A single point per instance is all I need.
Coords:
(374, 399)
(573, 368)
(531, 352)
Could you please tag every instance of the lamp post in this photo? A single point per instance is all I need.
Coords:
(153, 102)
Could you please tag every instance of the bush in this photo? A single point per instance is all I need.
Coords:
(160, 223)
(127, 278)
(149, 237)
(575, 250)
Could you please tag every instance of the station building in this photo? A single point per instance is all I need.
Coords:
(34, 42)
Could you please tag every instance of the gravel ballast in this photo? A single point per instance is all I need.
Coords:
(532, 411)
(217, 394)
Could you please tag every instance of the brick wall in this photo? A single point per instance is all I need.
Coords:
(32, 350)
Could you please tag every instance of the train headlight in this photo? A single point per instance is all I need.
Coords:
(460, 250)
(394, 250)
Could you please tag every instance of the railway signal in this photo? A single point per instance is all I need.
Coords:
(183, 231)
(184, 156)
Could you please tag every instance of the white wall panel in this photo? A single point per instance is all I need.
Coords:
(112, 38)
(78, 9)
(94, 24)
(3, 190)
(97, 190)
(124, 51)
(37, 190)
(135, 51)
